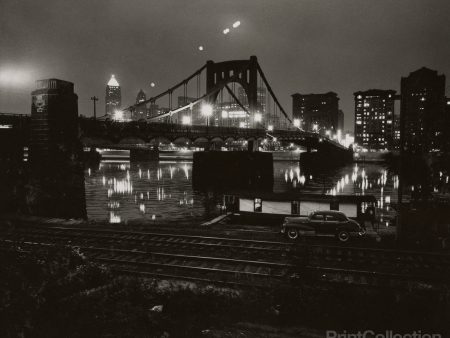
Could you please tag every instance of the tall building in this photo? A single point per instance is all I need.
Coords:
(422, 108)
(113, 98)
(316, 112)
(396, 141)
(54, 113)
(141, 111)
(374, 119)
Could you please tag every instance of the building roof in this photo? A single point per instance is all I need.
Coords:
(296, 196)
(329, 94)
(375, 92)
(113, 82)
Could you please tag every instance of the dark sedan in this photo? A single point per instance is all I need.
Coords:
(322, 223)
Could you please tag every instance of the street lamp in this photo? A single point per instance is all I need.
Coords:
(297, 123)
(207, 111)
(315, 127)
(270, 127)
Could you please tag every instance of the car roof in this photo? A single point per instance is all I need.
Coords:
(329, 212)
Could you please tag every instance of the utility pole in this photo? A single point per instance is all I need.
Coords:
(95, 99)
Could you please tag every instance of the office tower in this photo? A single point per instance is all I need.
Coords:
(374, 119)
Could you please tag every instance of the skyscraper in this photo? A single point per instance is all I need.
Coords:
(374, 119)
(316, 112)
(113, 98)
(422, 107)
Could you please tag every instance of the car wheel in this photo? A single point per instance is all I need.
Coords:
(292, 234)
(343, 236)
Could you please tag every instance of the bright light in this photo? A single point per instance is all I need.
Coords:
(237, 114)
(270, 128)
(152, 84)
(258, 117)
(339, 134)
(186, 120)
(113, 82)
(274, 139)
(226, 31)
(242, 124)
(200, 47)
(328, 133)
(236, 24)
(315, 126)
(118, 115)
(297, 123)
(16, 76)
(207, 110)
(224, 114)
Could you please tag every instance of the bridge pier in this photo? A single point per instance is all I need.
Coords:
(252, 146)
(144, 154)
(233, 170)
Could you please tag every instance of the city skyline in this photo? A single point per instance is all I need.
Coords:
(304, 35)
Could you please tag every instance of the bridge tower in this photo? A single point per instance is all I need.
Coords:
(244, 72)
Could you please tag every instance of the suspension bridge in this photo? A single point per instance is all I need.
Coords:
(218, 104)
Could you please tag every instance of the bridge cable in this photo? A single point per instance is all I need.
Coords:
(272, 93)
(154, 98)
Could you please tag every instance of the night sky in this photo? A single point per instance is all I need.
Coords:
(303, 46)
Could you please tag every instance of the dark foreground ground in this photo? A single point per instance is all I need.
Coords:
(56, 291)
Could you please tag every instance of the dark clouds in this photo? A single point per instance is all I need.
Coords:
(303, 46)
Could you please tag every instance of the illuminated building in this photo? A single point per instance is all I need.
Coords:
(317, 112)
(423, 121)
(113, 98)
(374, 119)
(396, 142)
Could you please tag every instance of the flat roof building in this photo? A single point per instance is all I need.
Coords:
(374, 119)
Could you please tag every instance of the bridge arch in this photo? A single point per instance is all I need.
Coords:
(244, 72)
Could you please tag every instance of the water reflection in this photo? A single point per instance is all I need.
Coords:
(120, 192)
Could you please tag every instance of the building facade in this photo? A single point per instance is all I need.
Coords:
(113, 97)
(423, 120)
(141, 111)
(316, 112)
(374, 119)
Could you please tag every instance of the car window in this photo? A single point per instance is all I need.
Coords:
(317, 217)
(332, 218)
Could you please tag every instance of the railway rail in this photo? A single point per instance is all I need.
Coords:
(235, 260)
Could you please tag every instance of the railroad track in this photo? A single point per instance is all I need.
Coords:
(233, 260)
(189, 267)
(166, 242)
(428, 264)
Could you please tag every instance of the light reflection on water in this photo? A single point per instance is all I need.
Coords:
(119, 192)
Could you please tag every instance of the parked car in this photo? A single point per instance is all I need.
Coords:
(322, 223)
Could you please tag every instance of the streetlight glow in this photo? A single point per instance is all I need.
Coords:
(270, 128)
(224, 114)
(226, 31)
(207, 110)
(118, 115)
(297, 123)
(258, 117)
(236, 24)
(186, 120)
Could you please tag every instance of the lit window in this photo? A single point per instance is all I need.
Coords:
(258, 205)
